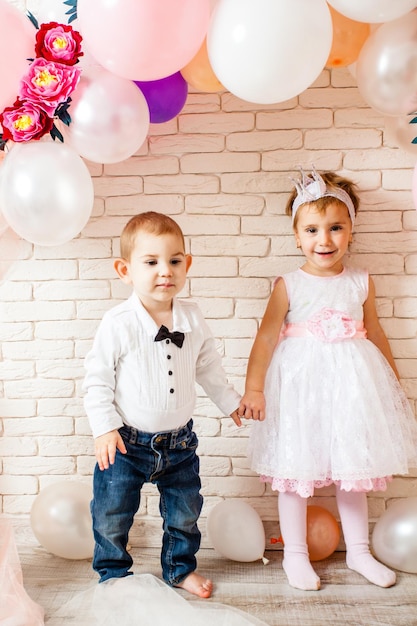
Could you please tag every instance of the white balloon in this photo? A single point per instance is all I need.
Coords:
(236, 531)
(386, 69)
(49, 11)
(61, 520)
(373, 11)
(269, 51)
(394, 538)
(46, 192)
(109, 117)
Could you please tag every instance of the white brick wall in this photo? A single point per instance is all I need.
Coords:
(222, 170)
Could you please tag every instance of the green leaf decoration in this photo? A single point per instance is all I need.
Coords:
(56, 134)
(62, 112)
(33, 19)
(72, 11)
(2, 142)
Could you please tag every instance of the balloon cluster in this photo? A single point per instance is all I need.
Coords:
(139, 57)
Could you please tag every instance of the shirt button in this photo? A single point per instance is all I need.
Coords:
(170, 373)
(171, 391)
(168, 356)
(167, 341)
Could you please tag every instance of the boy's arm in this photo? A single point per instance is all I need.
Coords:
(100, 379)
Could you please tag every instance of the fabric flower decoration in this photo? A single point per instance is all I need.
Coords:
(48, 84)
(59, 43)
(24, 121)
(331, 325)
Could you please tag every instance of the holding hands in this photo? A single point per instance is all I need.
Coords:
(252, 406)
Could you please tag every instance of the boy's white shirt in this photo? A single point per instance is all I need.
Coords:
(127, 373)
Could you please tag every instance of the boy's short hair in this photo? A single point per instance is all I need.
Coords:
(332, 180)
(149, 222)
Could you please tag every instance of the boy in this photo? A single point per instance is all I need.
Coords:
(140, 395)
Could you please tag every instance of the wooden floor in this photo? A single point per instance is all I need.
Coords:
(261, 590)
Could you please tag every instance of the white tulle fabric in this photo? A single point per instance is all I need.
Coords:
(335, 412)
(143, 599)
(16, 607)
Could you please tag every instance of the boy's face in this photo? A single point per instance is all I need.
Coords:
(157, 268)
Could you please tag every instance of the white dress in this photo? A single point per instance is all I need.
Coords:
(335, 412)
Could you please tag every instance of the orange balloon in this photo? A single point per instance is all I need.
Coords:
(348, 39)
(323, 533)
(199, 74)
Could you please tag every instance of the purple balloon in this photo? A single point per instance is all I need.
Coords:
(165, 97)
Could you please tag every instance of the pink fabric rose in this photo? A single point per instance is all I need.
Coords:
(331, 325)
(24, 121)
(59, 43)
(48, 84)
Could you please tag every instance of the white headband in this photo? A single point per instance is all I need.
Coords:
(311, 188)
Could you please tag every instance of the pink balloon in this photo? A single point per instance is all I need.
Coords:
(109, 117)
(143, 39)
(17, 44)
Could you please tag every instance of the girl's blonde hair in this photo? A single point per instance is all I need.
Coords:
(332, 180)
(150, 222)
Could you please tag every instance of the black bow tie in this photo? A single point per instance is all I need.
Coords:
(176, 337)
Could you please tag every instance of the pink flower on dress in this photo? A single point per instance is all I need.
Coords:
(59, 43)
(331, 325)
(48, 84)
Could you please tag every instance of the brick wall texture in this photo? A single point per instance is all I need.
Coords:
(222, 169)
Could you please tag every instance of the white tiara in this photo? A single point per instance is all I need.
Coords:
(311, 188)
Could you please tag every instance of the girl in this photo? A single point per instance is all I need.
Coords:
(323, 384)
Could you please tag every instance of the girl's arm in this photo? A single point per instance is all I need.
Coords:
(374, 329)
(253, 402)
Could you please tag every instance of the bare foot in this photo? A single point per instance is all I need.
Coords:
(198, 585)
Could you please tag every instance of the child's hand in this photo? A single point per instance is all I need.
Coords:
(252, 406)
(235, 417)
(105, 448)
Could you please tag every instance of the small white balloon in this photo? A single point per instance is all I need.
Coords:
(109, 117)
(386, 69)
(236, 531)
(394, 538)
(373, 11)
(61, 520)
(46, 192)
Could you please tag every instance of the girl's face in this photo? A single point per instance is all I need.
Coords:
(323, 237)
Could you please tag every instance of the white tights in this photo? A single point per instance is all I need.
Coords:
(353, 511)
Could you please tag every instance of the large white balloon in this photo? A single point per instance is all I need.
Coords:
(109, 117)
(373, 11)
(46, 192)
(394, 538)
(386, 69)
(236, 531)
(268, 51)
(61, 520)
(50, 11)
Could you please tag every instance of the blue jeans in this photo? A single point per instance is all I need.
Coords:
(169, 460)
